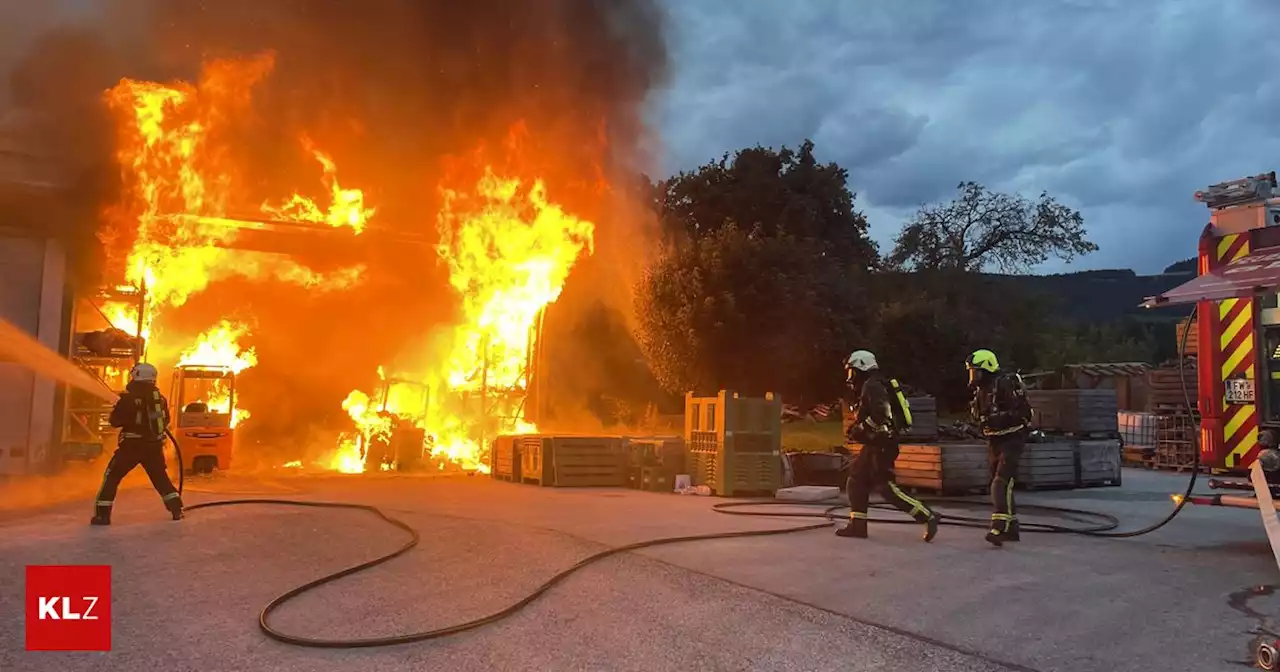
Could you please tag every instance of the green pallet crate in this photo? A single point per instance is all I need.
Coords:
(734, 443)
(572, 461)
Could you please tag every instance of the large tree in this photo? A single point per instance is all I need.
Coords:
(738, 309)
(982, 229)
(771, 192)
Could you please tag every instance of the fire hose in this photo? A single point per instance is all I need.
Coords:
(1106, 527)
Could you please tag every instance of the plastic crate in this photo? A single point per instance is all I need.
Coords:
(734, 443)
(505, 459)
(572, 461)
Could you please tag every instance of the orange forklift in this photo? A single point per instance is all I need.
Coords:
(203, 401)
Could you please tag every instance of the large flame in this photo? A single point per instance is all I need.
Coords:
(219, 348)
(181, 196)
(346, 208)
(509, 251)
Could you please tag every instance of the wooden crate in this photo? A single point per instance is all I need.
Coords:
(1050, 465)
(505, 459)
(942, 468)
(1097, 463)
(1168, 388)
(1080, 412)
(1192, 339)
(924, 418)
(572, 461)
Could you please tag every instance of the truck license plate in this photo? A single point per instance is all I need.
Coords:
(1239, 391)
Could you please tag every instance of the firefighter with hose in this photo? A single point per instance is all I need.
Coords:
(880, 417)
(1002, 412)
(142, 414)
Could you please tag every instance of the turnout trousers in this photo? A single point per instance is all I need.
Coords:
(130, 454)
(872, 469)
(1005, 453)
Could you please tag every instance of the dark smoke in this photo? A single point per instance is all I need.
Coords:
(402, 93)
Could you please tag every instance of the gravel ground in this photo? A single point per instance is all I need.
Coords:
(186, 595)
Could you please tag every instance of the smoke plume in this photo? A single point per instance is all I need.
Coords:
(403, 94)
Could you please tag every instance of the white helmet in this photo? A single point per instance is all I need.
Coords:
(143, 372)
(860, 360)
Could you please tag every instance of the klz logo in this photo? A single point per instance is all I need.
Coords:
(68, 608)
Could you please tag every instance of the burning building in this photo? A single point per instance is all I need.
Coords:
(368, 239)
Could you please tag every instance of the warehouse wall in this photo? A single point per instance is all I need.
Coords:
(32, 289)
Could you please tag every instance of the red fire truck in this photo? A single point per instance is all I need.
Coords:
(1237, 330)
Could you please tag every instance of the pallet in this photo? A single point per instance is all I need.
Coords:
(572, 461)
(1074, 410)
(942, 468)
(505, 458)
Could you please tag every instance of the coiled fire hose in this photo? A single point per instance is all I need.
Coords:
(1104, 527)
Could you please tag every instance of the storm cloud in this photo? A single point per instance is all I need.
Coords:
(1122, 108)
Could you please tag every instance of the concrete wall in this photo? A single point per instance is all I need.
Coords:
(32, 291)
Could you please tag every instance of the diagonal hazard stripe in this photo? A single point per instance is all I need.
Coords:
(1235, 324)
(1227, 307)
(1242, 250)
(1237, 421)
(1247, 443)
(1238, 359)
(1224, 245)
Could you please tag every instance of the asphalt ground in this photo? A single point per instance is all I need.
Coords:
(186, 595)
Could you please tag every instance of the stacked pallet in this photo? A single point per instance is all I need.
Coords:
(924, 418)
(942, 468)
(1081, 413)
(1170, 388)
(1188, 334)
(1050, 465)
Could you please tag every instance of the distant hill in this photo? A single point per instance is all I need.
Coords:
(1102, 296)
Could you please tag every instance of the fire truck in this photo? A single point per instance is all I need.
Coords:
(1237, 332)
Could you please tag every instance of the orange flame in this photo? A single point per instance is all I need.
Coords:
(509, 253)
(219, 347)
(346, 207)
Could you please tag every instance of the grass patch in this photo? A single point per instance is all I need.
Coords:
(812, 436)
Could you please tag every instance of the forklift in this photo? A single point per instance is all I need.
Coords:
(205, 431)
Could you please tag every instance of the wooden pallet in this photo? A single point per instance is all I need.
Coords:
(941, 468)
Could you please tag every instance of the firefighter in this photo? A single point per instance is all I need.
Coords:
(1001, 410)
(142, 414)
(880, 416)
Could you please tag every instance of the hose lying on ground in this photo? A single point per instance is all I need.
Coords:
(1105, 528)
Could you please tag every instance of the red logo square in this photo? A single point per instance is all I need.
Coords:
(68, 607)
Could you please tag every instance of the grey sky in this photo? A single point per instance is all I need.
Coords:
(1122, 108)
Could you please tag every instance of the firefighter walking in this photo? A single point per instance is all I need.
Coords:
(1001, 410)
(881, 415)
(142, 414)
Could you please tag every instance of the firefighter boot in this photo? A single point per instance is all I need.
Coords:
(174, 504)
(930, 525)
(1000, 528)
(1012, 534)
(857, 528)
(101, 515)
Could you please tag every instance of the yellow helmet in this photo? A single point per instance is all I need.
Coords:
(983, 359)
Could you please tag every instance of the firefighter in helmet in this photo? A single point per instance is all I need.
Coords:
(142, 414)
(1001, 410)
(881, 414)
